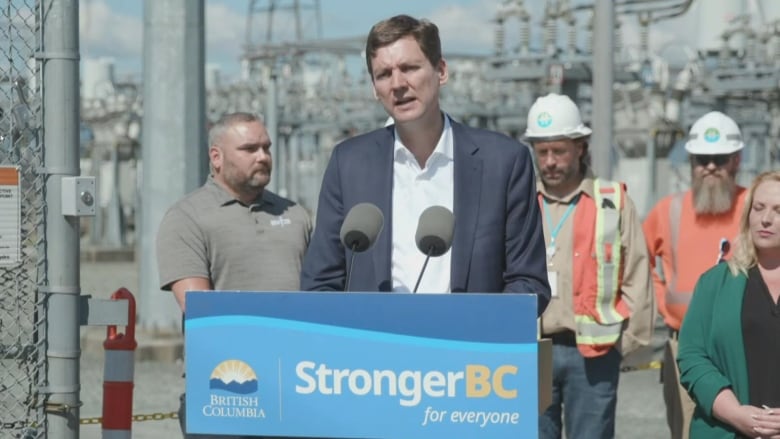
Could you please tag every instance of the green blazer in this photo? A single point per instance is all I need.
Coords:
(712, 353)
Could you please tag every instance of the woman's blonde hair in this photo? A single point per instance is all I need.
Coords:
(745, 256)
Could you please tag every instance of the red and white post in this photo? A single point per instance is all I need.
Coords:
(118, 374)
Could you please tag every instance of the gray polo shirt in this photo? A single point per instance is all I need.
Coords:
(210, 234)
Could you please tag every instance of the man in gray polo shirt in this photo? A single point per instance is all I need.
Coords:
(232, 234)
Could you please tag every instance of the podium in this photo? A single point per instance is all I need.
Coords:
(363, 365)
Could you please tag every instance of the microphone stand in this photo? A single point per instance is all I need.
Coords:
(425, 264)
(351, 264)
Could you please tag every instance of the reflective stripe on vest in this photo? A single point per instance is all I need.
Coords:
(674, 297)
(604, 327)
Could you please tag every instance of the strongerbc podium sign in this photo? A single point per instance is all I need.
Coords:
(362, 365)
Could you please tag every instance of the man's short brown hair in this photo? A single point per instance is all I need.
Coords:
(389, 31)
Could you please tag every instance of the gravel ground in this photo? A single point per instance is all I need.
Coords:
(641, 412)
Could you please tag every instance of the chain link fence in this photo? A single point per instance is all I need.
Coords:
(22, 224)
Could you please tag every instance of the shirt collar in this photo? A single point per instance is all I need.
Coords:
(224, 198)
(586, 187)
(444, 147)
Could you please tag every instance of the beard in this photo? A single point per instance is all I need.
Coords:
(251, 184)
(715, 198)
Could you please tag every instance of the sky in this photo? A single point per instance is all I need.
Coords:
(113, 28)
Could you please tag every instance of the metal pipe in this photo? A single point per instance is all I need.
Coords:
(60, 57)
(272, 125)
(174, 138)
(652, 170)
(642, 6)
(294, 163)
(602, 118)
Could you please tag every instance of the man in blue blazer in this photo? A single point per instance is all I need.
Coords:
(427, 159)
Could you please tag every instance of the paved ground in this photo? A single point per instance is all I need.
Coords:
(158, 384)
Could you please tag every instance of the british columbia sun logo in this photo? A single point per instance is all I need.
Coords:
(234, 376)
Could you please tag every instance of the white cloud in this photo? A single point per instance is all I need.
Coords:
(466, 28)
(107, 33)
(225, 35)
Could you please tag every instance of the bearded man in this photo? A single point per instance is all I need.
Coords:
(232, 234)
(688, 233)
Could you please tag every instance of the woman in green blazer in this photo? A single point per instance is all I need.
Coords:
(714, 365)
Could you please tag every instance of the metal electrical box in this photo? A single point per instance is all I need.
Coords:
(78, 196)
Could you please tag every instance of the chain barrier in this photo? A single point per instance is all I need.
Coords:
(136, 418)
(18, 425)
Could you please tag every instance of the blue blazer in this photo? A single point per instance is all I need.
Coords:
(498, 245)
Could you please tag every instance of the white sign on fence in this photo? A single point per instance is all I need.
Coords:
(10, 216)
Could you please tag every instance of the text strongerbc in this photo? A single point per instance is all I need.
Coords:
(475, 380)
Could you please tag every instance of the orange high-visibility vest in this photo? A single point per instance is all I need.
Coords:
(683, 245)
(597, 271)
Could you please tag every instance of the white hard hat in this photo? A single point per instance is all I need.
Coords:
(714, 133)
(555, 116)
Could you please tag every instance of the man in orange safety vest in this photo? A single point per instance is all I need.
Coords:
(602, 300)
(689, 232)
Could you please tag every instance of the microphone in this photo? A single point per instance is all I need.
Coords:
(434, 234)
(359, 230)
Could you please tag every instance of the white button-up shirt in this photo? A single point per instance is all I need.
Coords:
(414, 190)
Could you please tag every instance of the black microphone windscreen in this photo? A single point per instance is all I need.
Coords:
(435, 230)
(361, 226)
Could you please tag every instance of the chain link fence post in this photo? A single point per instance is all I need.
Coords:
(22, 223)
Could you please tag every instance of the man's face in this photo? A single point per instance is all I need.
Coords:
(764, 217)
(714, 182)
(405, 81)
(558, 161)
(241, 158)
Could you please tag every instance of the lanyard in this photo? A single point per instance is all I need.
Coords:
(555, 230)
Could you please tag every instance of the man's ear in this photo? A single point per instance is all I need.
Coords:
(215, 157)
(443, 72)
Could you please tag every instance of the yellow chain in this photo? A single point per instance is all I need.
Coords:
(136, 418)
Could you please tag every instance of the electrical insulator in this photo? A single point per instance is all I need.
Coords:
(589, 36)
(572, 36)
(644, 38)
(550, 34)
(725, 53)
(525, 33)
(499, 37)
